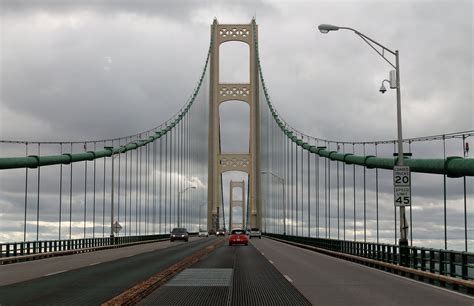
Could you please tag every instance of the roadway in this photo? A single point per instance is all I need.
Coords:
(90, 278)
(231, 275)
(326, 280)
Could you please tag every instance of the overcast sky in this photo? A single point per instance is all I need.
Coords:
(84, 70)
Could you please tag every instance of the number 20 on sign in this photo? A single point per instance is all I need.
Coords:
(402, 185)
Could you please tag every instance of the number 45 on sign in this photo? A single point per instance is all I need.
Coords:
(402, 185)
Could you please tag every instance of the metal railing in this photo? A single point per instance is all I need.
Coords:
(14, 249)
(443, 262)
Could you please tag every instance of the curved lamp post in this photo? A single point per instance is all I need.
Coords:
(326, 28)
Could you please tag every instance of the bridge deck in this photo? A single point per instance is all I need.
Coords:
(326, 280)
(87, 282)
(232, 275)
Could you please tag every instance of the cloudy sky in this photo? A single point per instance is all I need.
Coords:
(84, 70)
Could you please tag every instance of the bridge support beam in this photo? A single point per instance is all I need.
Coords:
(221, 92)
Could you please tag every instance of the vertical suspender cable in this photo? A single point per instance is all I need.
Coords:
(296, 193)
(354, 192)
(287, 174)
(329, 192)
(85, 192)
(61, 191)
(70, 199)
(126, 193)
(161, 187)
(302, 189)
(326, 196)
(147, 213)
(337, 196)
(139, 187)
(316, 156)
(411, 211)
(103, 198)
(154, 187)
(170, 172)
(130, 197)
(137, 150)
(292, 190)
(365, 201)
(377, 195)
(465, 197)
(26, 196)
(444, 198)
(94, 195)
(38, 196)
(166, 183)
(309, 194)
(344, 195)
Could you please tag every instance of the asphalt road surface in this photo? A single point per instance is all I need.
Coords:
(90, 278)
(326, 280)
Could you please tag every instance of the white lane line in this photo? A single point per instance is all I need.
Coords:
(263, 253)
(49, 274)
(95, 263)
(288, 278)
(270, 261)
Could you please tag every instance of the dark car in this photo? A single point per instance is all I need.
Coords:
(179, 233)
(220, 232)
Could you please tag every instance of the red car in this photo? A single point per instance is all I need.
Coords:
(238, 236)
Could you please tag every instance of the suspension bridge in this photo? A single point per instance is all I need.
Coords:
(89, 221)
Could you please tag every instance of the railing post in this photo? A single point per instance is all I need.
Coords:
(464, 266)
(452, 264)
(422, 259)
(442, 268)
(431, 261)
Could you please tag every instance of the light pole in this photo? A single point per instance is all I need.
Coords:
(282, 181)
(179, 203)
(112, 190)
(326, 28)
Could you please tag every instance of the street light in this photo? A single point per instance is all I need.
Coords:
(113, 191)
(179, 203)
(282, 181)
(326, 28)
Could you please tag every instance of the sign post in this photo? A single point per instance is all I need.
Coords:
(402, 185)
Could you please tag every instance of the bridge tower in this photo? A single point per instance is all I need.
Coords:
(248, 93)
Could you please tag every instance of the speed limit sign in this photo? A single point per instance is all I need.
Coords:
(402, 185)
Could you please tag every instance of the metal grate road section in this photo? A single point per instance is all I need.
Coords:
(257, 282)
(202, 278)
(237, 275)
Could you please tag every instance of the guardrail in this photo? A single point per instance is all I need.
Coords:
(45, 247)
(449, 263)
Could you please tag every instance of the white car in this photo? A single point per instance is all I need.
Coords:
(203, 234)
(255, 232)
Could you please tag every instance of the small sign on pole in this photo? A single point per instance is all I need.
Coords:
(117, 227)
(402, 185)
